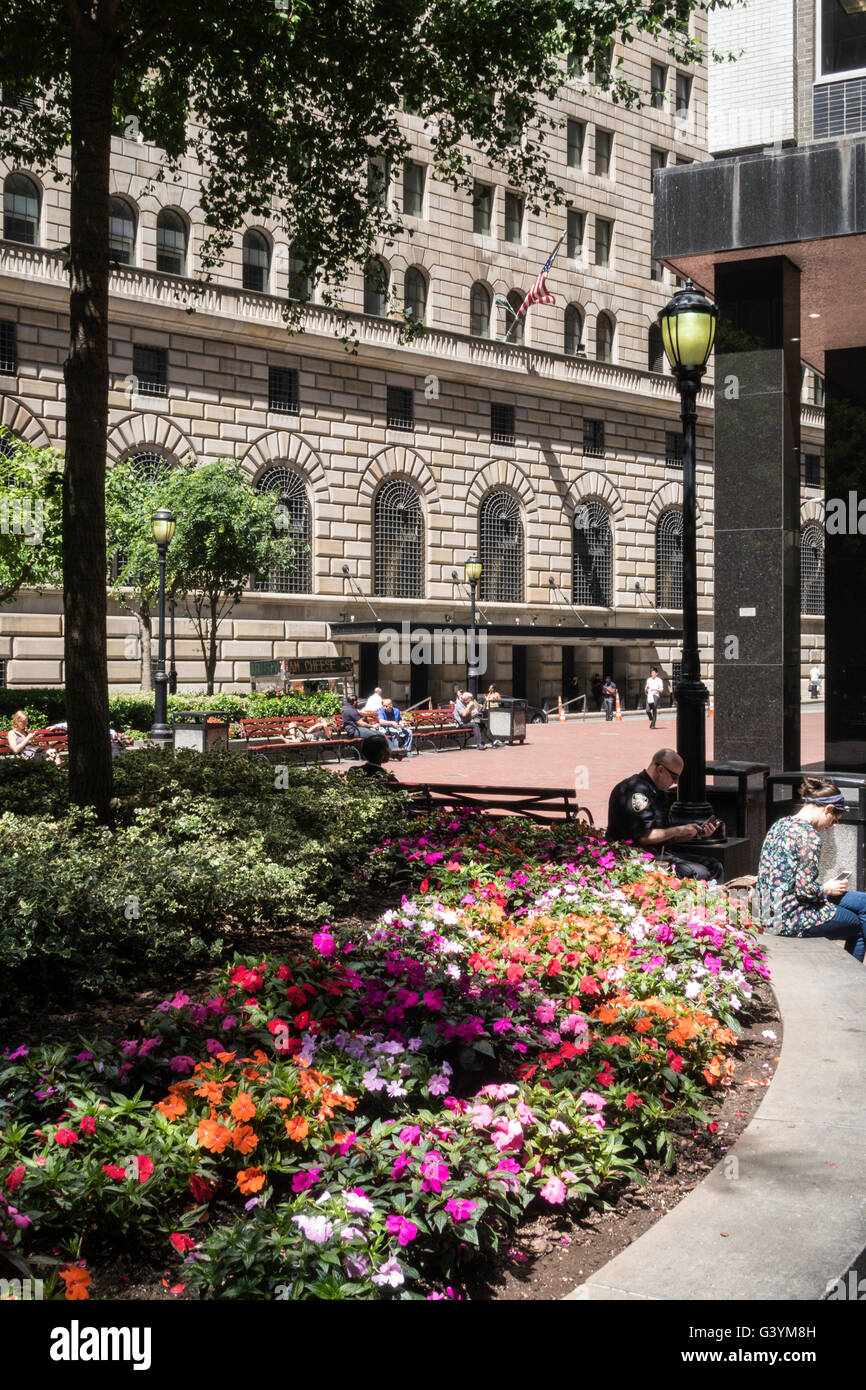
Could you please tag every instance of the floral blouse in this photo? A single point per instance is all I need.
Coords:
(788, 885)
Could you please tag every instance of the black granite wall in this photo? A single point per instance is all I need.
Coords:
(845, 562)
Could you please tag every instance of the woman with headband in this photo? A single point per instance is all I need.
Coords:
(788, 885)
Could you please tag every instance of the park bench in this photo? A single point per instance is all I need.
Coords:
(54, 739)
(262, 737)
(545, 805)
(435, 728)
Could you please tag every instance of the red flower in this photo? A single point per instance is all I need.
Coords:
(554, 968)
(674, 1061)
(202, 1191)
(15, 1177)
(617, 1040)
(181, 1242)
(296, 996)
(302, 1019)
(113, 1170)
(632, 1100)
(589, 986)
(423, 885)
(605, 1076)
(65, 1137)
(145, 1167)
(712, 1126)
(87, 1125)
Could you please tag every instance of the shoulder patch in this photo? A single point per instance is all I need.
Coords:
(639, 801)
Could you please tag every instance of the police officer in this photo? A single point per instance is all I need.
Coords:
(638, 811)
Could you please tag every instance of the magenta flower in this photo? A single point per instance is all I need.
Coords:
(401, 1228)
(460, 1209)
(182, 1064)
(401, 1163)
(410, 1134)
(433, 999)
(323, 942)
(434, 1172)
(304, 1180)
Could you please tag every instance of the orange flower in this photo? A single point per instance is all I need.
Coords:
(281, 1102)
(212, 1091)
(172, 1107)
(298, 1128)
(77, 1282)
(718, 1069)
(251, 1180)
(605, 1014)
(643, 1025)
(244, 1139)
(252, 1075)
(214, 1136)
(242, 1107)
(226, 1056)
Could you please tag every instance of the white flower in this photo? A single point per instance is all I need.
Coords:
(356, 1205)
(692, 990)
(452, 972)
(390, 1273)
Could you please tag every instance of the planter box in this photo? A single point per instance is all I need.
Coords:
(201, 730)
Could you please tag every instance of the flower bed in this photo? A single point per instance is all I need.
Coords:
(360, 1120)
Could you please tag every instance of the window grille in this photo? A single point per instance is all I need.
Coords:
(479, 311)
(121, 232)
(398, 542)
(415, 294)
(820, 389)
(401, 408)
(376, 283)
(150, 369)
(482, 208)
(171, 241)
(575, 227)
(513, 218)
(812, 464)
(21, 210)
(593, 556)
(812, 570)
(603, 339)
(9, 97)
(573, 331)
(8, 349)
(669, 560)
(593, 438)
(576, 138)
(292, 519)
(256, 261)
(603, 152)
(501, 423)
(673, 449)
(501, 548)
(283, 390)
(413, 189)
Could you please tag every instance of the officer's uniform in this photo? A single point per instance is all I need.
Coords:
(637, 806)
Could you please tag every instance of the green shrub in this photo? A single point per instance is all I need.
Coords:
(133, 710)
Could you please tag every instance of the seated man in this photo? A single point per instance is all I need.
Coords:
(375, 754)
(354, 724)
(638, 811)
(467, 715)
(398, 734)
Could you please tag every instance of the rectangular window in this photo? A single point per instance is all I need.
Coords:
(283, 390)
(378, 179)
(604, 64)
(684, 94)
(673, 449)
(657, 270)
(603, 240)
(413, 188)
(842, 36)
(658, 160)
(501, 423)
(658, 85)
(576, 140)
(8, 349)
(401, 408)
(812, 464)
(513, 218)
(575, 62)
(603, 153)
(574, 239)
(3, 674)
(150, 368)
(593, 438)
(482, 208)
(820, 392)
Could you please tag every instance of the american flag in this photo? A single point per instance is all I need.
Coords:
(538, 294)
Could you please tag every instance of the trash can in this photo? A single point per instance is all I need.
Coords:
(507, 721)
(201, 729)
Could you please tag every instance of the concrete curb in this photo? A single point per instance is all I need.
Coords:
(788, 1217)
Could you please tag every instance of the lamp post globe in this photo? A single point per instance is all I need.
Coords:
(473, 574)
(688, 328)
(162, 525)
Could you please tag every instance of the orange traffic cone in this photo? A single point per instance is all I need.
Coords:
(712, 709)
(560, 711)
(618, 708)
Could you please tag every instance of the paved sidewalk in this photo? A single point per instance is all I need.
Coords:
(788, 1217)
(553, 752)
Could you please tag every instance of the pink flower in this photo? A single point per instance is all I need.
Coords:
(498, 1092)
(401, 1163)
(545, 1013)
(480, 1116)
(507, 1134)
(15, 1177)
(434, 1172)
(410, 1134)
(460, 1209)
(87, 1125)
(401, 1228)
(65, 1137)
(304, 1180)
(182, 1064)
(594, 1099)
(323, 942)
(553, 1190)
(525, 1115)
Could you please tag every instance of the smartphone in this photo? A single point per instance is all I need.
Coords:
(844, 873)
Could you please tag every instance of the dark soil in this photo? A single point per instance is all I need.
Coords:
(549, 1254)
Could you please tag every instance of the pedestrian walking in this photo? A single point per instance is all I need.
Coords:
(653, 691)
(815, 682)
(609, 694)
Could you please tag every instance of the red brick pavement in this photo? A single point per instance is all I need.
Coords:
(553, 753)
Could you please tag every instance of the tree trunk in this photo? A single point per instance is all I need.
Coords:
(86, 373)
(145, 637)
(212, 648)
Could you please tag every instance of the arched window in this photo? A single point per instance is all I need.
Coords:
(415, 293)
(812, 569)
(479, 311)
(593, 555)
(257, 261)
(604, 338)
(398, 541)
(21, 210)
(656, 360)
(376, 285)
(512, 327)
(171, 242)
(669, 559)
(501, 548)
(300, 280)
(294, 520)
(573, 331)
(148, 464)
(8, 445)
(121, 232)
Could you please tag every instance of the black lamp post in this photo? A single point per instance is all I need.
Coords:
(172, 670)
(688, 325)
(162, 524)
(473, 574)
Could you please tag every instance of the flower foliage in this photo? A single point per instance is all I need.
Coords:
(358, 1120)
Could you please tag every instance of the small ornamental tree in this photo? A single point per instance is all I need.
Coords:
(30, 511)
(131, 498)
(226, 535)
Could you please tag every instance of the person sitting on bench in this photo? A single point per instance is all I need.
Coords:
(391, 724)
(467, 715)
(638, 811)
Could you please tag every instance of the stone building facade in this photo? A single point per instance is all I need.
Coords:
(555, 458)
